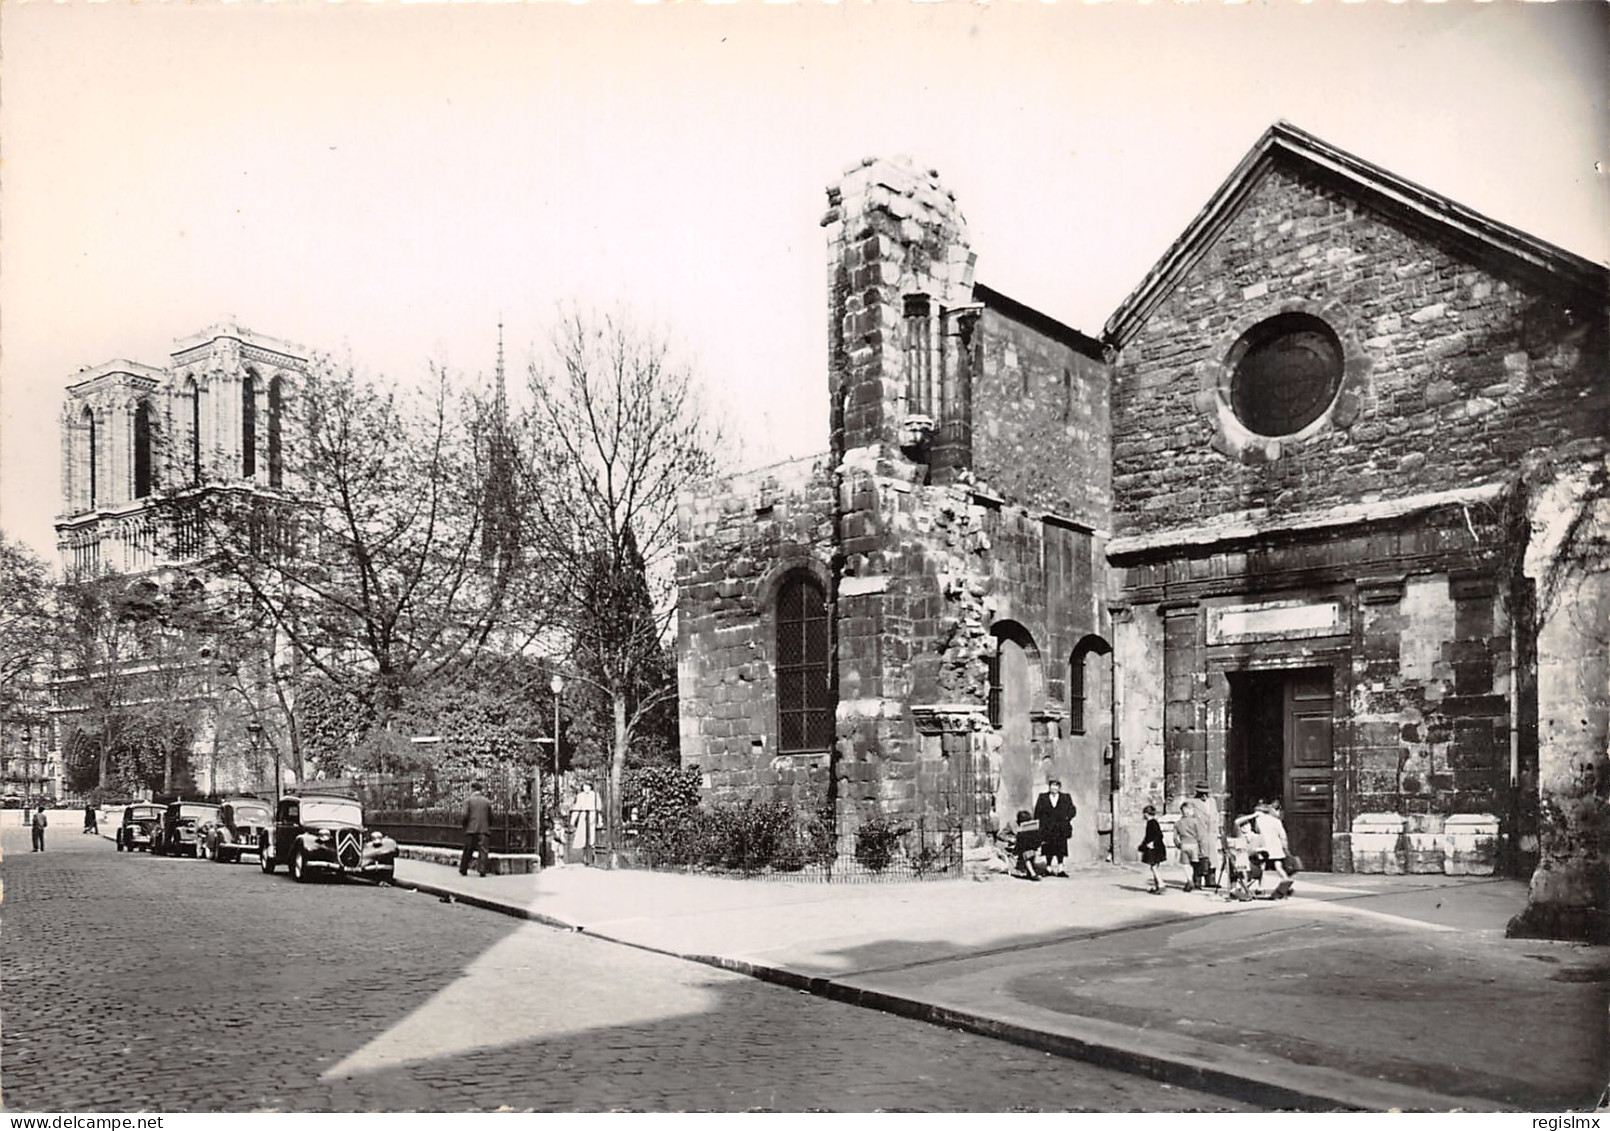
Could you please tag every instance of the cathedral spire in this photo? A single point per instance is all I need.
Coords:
(502, 396)
(499, 534)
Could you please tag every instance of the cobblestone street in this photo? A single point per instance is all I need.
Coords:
(137, 982)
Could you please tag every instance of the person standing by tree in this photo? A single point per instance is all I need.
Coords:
(477, 830)
(584, 821)
(1055, 811)
(38, 825)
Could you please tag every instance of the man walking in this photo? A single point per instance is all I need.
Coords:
(38, 825)
(477, 829)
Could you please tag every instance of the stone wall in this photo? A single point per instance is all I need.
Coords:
(1040, 414)
(914, 638)
(1568, 561)
(1454, 367)
(1137, 644)
(1411, 614)
(1454, 364)
(921, 561)
(739, 538)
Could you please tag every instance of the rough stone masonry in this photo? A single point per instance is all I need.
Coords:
(1296, 526)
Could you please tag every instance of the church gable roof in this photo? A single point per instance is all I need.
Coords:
(1417, 207)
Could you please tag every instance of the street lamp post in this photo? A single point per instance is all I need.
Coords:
(27, 770)
(254, 732)
(557, 686)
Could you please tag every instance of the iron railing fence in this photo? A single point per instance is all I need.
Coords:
(427, 808)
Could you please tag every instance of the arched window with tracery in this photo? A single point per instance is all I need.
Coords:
(92, 480)
(248, 427)
(276, 458)
(192, 395)
(804, 695)
(143, 481)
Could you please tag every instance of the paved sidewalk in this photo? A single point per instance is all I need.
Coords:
(1367, 992)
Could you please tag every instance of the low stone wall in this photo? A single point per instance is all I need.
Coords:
(1466, 844)
(498, 864)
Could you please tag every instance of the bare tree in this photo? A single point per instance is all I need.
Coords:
(618, 431)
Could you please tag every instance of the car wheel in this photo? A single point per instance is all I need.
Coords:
(298, 866)
(120, 842)
(265, 861)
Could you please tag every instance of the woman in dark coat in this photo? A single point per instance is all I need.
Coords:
(1055, 812)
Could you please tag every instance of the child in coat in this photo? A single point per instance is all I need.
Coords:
(1152, 849)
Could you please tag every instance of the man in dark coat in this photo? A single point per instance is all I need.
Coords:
(1055, 812)
(477, 830)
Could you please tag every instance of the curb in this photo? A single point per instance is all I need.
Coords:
(1106, 1044)
(486, 903)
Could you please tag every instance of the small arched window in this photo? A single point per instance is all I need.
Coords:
(1088, 647)
(143, 483)
(804, 698)
(276, 465)
(1015, 679)
(248, 427)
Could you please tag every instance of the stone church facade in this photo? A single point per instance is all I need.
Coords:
(131, 433)
(1291, 526)
(135, 437)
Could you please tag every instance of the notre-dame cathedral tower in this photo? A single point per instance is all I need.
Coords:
(132, 433)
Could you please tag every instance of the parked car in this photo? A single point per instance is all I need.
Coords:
(239, 829)
(316, 833)
(179, 834)
(135, 831)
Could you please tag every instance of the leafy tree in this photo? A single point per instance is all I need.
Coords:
(26, 640)
(135, 674)
(332, 723)
(618, 431)
(97, 650)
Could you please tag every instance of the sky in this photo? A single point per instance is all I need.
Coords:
(388, 181)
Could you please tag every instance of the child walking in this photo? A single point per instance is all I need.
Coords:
(1152, 850)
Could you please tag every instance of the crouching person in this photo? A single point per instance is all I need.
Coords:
(1022, 841)
(379, 856)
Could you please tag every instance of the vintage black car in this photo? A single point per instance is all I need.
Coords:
(320, 833)
(139, 822)
(238, 831)
(179, 834)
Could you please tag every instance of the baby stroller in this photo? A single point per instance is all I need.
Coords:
(1240, 873)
